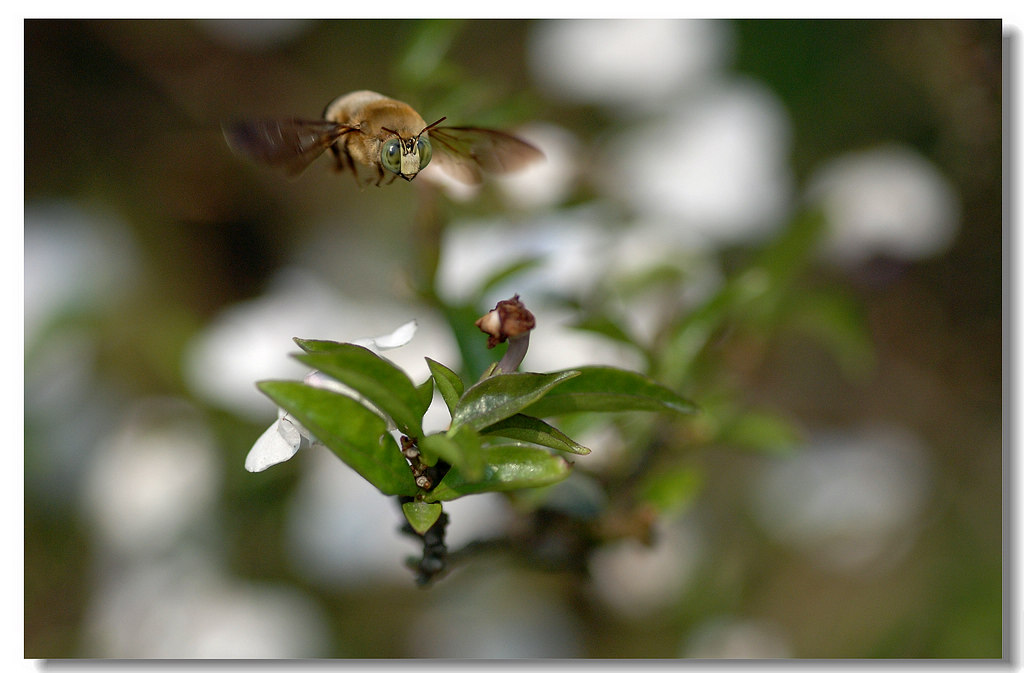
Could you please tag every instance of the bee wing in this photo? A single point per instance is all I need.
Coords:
(287, 144)
(464, 152)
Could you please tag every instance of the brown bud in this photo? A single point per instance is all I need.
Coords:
(508, 320)
(409, 448)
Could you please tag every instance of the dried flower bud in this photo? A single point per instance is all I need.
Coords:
(508, 320)
(409, 448)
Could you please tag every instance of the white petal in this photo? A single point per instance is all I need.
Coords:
(318, 379)
(399, 337)
(277, 444)
(292, 431)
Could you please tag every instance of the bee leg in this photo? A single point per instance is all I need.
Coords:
(343, 162)
(342, 159)
(384, 178)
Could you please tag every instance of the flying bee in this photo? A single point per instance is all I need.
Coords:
(379, 139)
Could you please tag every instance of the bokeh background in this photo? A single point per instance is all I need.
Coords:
(163, 276)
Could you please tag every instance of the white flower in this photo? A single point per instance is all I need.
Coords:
(399, 337)
(885, 201)
(278, 443)
(715, 164)
(626, 65)
(286, 436)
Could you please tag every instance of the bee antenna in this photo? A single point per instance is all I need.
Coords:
(430, 126)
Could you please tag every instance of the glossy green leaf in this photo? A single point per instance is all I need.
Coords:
(609, 389)
(535, 431)
(425, 391)
(356, 434)
(449, 384)
(498, 397)
(507, 468)
(421, 515)
(383, 384)
(459, 448)
(317, 345)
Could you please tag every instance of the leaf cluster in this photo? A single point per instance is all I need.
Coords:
(498, 438)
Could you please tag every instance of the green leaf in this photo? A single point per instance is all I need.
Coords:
(498, 397)
(609, 389)
(605, 326)
(836, 319)
(425, 391)
(460, 448)
(449, 384)
(421, 515)
(760, 431)
(357, 435)
(788, 255)
(383, 384)
(747, 297)
(529, 429)
(506, 272)
(316, 345)
(507, 468)
(424, 54)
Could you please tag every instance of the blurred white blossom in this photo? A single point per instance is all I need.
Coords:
(850, 501)
(728, 638)
(454, 188)
(250, 341)
(66, 379)
(77, 260)
(715, 164)
(636, 580)
(340, 529)
(186, 607)
(152, 480)
(161, 589)
(81, 266)
(557, 345)
(645, 246)
(344, 532)
(495, 613)
(571, 246)
(628, 65)
(576, 251)
(703, 149)
(885, 201)
(548, 182)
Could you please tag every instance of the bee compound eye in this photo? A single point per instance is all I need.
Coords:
(391, 155)
(423, 145)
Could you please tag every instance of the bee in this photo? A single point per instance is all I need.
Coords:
(379, 139)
